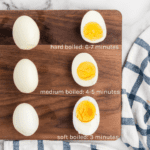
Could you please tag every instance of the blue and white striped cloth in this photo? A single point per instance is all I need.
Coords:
(51, 145)
(136, 95)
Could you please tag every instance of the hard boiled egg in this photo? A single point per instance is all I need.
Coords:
(93, 27)
(84, 70)
(25, 76)
(26, 33)
(25, 119)
(86, 116)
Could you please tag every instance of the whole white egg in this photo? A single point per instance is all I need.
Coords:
(93, 27)
(84, 70)
(25, 76)
(26, 33)
(86, 105)
(25, 119)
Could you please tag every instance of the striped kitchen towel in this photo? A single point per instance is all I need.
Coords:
(136, 95)
(51, 145)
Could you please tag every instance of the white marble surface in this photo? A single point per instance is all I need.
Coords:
(136, 18)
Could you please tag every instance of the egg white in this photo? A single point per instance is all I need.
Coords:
(83, 57)
(26, 33)
(90, 127)
(25, 119)
(93, 16)
(25, 76)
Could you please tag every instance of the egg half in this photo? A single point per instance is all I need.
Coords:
(25, 119)
(86, 116)
(25, 76)
(26, 33)
(84, 70)
(93, 27)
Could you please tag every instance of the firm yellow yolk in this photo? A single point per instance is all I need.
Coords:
(85, 111)
(86, 70)
(93, 31)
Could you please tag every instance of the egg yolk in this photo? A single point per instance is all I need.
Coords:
(85, 111)
(93, 31)
(86, 71)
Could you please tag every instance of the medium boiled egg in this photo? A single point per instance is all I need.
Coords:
(84, 70)
(25, 76)
(93, 27)
(86, 116)
(26, 33)
(25, 119)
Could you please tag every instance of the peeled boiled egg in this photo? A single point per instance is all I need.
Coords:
(25, 76)
(86, 116)
(25, 119)
(26, 33)
(84, 70)
(93, 27)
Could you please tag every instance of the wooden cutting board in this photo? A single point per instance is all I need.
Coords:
(57, 93)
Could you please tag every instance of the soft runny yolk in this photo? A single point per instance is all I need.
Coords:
(85, 111)
(93, 31)
(86, 70)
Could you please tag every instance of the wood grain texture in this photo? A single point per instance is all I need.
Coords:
(54, 69)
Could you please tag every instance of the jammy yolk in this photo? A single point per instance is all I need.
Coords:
(85, 111)
(86, 70)
(93, 31)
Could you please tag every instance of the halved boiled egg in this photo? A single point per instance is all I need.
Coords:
(86, 116)
(84, 70)
(93, 27)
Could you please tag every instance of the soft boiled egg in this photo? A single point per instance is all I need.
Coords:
(26, 33)
(84, 70)
(93, 27)
(86, 116)
(25, 76)
(25, 119)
